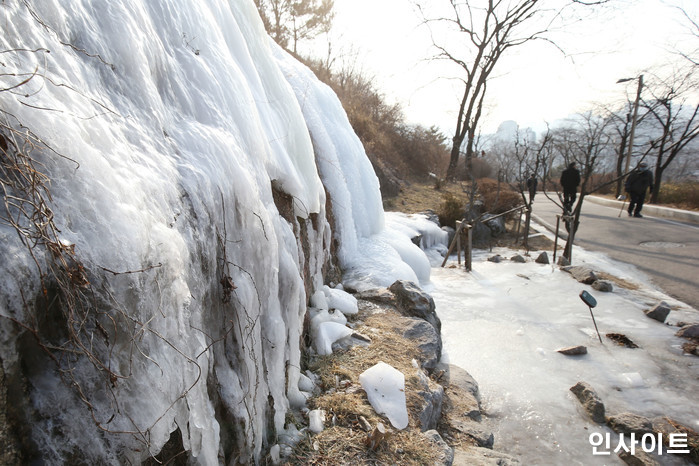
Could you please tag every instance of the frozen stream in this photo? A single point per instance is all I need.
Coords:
(504, 322)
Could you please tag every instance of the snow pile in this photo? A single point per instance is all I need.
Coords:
(385, 388)
(190, 157)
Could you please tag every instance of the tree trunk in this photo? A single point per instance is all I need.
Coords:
(655, 193)
(454, 159)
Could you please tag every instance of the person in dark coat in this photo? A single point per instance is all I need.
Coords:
(531, 186)
(570, 179)
(636, 185)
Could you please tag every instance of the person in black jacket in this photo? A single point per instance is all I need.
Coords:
(531, 186)
(570, 179)
(636, 185)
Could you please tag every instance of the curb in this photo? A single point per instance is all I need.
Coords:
(656, 211)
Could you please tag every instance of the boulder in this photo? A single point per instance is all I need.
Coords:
(447, 452)
(667, 427)
(628, 423)
(659, 312)
(517, 258)
(413, 302)
(563, 262)
(581, 274)
(497, 258)
(429, 342)
(689, 331)
(573, 350)
(496, 225)
(591, 403)
(603, 285)
(543, 258)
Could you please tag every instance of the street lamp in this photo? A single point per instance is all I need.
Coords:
(635, 115)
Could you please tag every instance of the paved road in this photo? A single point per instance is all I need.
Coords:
(665, 250)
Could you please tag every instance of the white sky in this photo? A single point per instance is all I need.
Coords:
(536, 82)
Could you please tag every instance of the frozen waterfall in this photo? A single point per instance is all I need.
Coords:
(155, 269)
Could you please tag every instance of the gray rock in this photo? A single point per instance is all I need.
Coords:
(563, 262)
(496, 226)
(482, 457)
(447, 456)
(581, 274)
(591, 403)
(689, 331)
(496, 258)
(430, 412)
(472, 429)
(461, 378)
(659, 312)
(603, 285)
(543, 258)
(639, 458)
(630, 423)
(414, 302)
(573, 350)
(417, 240)
(517, 258)
(429, 342)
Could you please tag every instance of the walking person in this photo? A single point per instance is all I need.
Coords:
(570, 179)
(636, 185)
(531, 186)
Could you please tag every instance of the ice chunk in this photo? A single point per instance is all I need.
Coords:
(341, 300)
(316, 421)
(632, 379)
(328, 333)
(385, 388)
(319, 300)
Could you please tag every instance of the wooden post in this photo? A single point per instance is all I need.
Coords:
(451, 246)
(469, 247)
(555, 241)
(458, 241)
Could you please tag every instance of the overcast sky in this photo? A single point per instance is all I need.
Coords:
(535, 83)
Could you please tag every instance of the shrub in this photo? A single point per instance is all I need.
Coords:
(684, 195)
(497, 198)
(450, 210)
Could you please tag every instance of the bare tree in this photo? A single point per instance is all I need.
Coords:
(291, 21)
(586, 141)
(678, 121)
(488, 28)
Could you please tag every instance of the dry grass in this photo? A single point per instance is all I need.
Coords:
(344, 401)
(617, 281)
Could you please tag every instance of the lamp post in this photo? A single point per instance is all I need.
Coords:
(635, 116)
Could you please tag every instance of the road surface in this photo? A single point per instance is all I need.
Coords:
(665, 250)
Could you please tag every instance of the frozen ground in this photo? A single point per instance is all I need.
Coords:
(504, 322)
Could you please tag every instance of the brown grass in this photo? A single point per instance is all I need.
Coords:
(344, 401)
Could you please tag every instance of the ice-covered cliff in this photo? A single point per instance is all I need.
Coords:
(173, 186)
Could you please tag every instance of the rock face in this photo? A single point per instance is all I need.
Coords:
(659, 312)
(428, 340)
(413, 302)
(591, 402)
